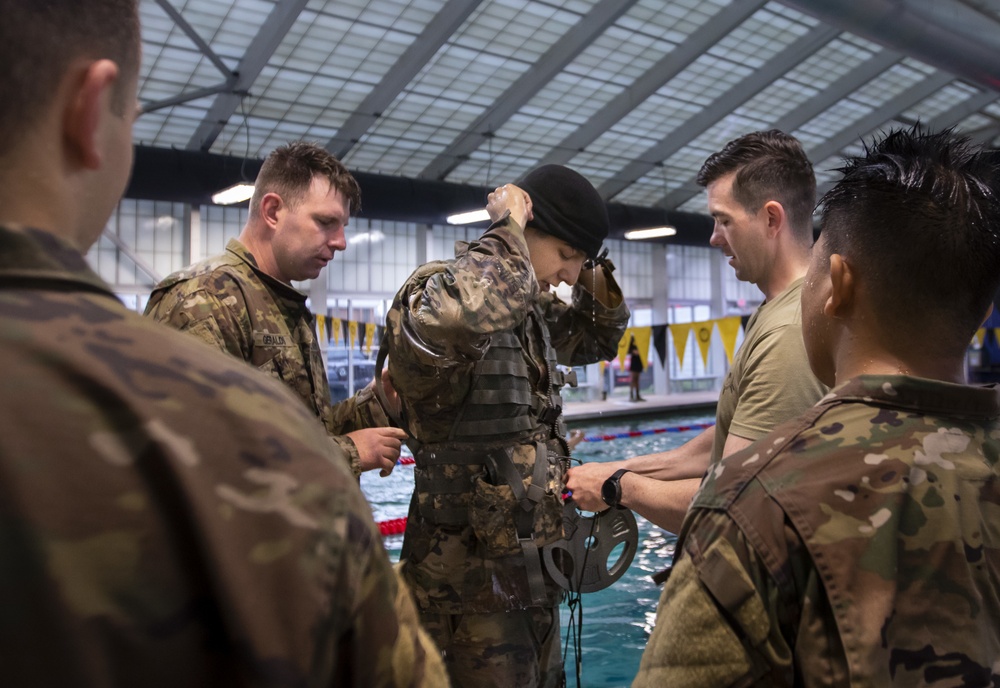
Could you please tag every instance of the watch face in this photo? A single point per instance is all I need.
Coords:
(610, 492)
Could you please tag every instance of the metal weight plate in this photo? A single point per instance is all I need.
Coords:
(582, 562)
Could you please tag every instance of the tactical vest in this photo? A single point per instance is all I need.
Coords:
(480, 477)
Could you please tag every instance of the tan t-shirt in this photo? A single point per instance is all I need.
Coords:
(770, 380)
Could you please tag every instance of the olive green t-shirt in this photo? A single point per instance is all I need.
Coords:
(770, 380)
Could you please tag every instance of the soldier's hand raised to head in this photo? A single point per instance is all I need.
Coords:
(509, 198)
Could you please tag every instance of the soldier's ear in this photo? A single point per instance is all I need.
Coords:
(841, 297)
(87, 104)
(271, 209)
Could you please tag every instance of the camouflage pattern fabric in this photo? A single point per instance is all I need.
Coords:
(439, 327)
(229, 303)
(168, 516)
(501, 650)
(858, 545)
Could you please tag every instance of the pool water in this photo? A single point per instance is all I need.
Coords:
(617, 620)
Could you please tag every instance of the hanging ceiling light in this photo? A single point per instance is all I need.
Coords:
(469, 217)
(651, 233)
(237, 193)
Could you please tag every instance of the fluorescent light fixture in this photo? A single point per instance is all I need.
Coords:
(237, 193)
(469, 217)
(651, 233)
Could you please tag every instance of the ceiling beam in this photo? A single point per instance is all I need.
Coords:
(799, 115)
(792, 55)
(203, 46)
(669, 66)
(877, 118)
(421, 50)
(272, 32)
(967, 107)
(941, 33)
(562, 52)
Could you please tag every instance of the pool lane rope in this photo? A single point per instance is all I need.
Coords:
(396, 526)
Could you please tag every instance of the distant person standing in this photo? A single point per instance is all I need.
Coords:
(242, 302)
(635, 369)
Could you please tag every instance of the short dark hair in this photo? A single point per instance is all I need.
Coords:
(769, 166)
(39, 39)
(289, 170)
(918, 215)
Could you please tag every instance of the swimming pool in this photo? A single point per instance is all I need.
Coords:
(616, 621)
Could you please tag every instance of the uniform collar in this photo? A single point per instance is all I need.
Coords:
(921, 395)
(28, 254)
(238, 249)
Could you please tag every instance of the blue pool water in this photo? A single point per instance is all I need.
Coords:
(617, 620)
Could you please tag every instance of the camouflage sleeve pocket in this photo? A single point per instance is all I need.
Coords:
(492, 513)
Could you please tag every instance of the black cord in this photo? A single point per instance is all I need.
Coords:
(574, 600)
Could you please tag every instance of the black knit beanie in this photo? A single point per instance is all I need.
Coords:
(567, 206)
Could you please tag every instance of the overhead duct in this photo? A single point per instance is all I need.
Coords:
(943, 33)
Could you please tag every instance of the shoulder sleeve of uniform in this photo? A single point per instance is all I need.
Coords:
(389, 647)
(718, 622)
(448, 309)
(214, 314)
(777, 383)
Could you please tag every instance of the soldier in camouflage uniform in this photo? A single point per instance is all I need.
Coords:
(242, 301)
(860, 544)
(168, 516)
(473, 346)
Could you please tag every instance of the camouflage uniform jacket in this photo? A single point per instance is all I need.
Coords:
(229, 303)
(441, 324)
(169, 517)
(858, 545)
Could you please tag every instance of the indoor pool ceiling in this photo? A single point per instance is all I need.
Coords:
(433, 96)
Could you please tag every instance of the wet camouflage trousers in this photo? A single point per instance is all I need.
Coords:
(516, 649)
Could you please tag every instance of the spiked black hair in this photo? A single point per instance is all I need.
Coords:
(918, 215)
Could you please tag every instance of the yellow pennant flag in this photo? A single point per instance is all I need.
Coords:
(336, 330)
(680, 334)
(642, 336)
(623, 347)
(352, 331)
(978, 337)
(703, 332)
(728, 329)
(321, 329)
(369, 338)
(996, 334)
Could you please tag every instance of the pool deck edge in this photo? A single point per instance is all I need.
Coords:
(653, 404)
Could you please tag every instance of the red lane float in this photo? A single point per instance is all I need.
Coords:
(393, 526)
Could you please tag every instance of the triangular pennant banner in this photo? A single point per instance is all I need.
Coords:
(336, 329)
(352, 333)
(321, 329)
(979, 337)
(660, 343)
(729, 328)
(680, 334)
(703, 332)
(369, 338)
(623, 345)
(996, 335)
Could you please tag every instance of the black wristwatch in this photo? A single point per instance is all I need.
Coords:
(611, 490)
